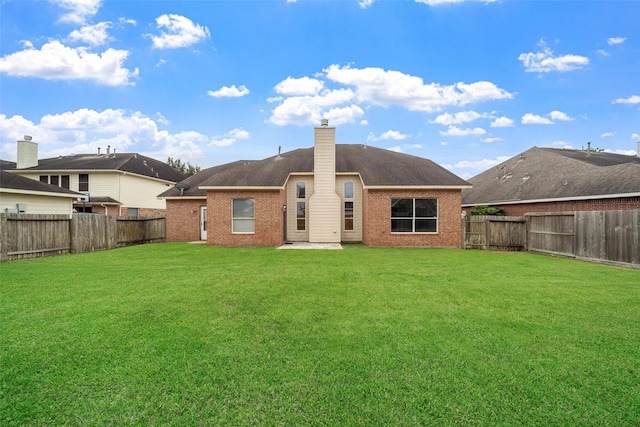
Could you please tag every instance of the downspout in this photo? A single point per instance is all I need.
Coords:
(106, 208)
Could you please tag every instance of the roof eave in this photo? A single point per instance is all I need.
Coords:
(416, 187)
(556, 199)
(40, 193)
(241, 188)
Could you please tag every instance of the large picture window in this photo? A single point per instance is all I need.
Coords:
(414, 215)
(243, 220)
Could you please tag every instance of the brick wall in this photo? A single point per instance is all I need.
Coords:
(183, 220)
(620, 203)
(377, 219)
(268, 218)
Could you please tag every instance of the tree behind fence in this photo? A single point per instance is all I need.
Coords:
(29, 236)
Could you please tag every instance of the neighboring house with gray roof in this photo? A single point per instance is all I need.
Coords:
(556, 180)
(123, 184)
(330, 193)
(23, 195)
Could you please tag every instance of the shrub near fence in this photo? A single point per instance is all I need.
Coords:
(30, 236)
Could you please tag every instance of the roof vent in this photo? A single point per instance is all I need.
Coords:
(324, 123)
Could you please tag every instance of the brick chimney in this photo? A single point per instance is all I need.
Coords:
(27, 153)
(324, 203)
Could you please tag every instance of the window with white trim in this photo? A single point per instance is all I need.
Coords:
(414, 215)
(243, 216)
(301, 207)
(348, 206)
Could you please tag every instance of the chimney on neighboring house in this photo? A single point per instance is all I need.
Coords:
(27, 153)
(324, 203)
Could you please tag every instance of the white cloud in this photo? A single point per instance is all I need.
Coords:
(181, 32)
(455, 131)
(482, 165)
(305, 110)
(365, 3)
(229, 92)
(84, 130)
(54, 61)
(534, 119)
(229, 138)
(490, 140)
(502, 122)
(393, 88)
(634, 99)
(307, 100)
(301, 86)
(607, 134)
(619, 151)
(561, 144)
(559, 115)
(544, 61)
(616, 40)
(94, 35)
(448, 119)
(78, 10)
(339, 116)
(390, 134)
(603, 52)
(635, 135)
(128, 21)
(395, 148)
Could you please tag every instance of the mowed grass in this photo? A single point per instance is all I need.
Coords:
(178, 334)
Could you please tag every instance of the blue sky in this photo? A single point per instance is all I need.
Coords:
(464, 83)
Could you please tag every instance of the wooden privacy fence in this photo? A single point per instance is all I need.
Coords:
(30, 236)
(605, 236)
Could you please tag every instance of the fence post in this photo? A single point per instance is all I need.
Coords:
(3, 238)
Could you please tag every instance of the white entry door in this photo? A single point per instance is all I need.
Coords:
(203, 223)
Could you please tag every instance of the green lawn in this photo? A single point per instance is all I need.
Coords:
(178, 334)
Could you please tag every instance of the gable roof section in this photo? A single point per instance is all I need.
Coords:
(195, 180)
(123, 162)
(548, 174)
(12, 183)
(377, 167)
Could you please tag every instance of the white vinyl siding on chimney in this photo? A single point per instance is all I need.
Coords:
(324, 204)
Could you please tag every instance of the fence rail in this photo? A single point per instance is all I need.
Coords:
(604, 236)
(31, 236)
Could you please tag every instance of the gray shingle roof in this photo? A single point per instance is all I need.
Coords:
(16, 182)
(195, 180)
(376, 166)
(549, 173)
(125, 162)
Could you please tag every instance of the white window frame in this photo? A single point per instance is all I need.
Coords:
(244, 220)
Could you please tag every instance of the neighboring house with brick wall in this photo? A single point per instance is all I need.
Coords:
(122, 184)
(23, 195)
(558, 180)
(329, 193)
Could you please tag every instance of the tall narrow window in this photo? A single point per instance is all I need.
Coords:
(348, 206)
(348, 190)
(55, 180)
(44, 178)
(301, 207)
(414, 215)
(64, 181)
(83, 182)
(243, 216)
(348, 216)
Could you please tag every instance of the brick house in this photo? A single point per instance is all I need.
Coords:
(329, 193)
(122, 184)
(558, 180)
